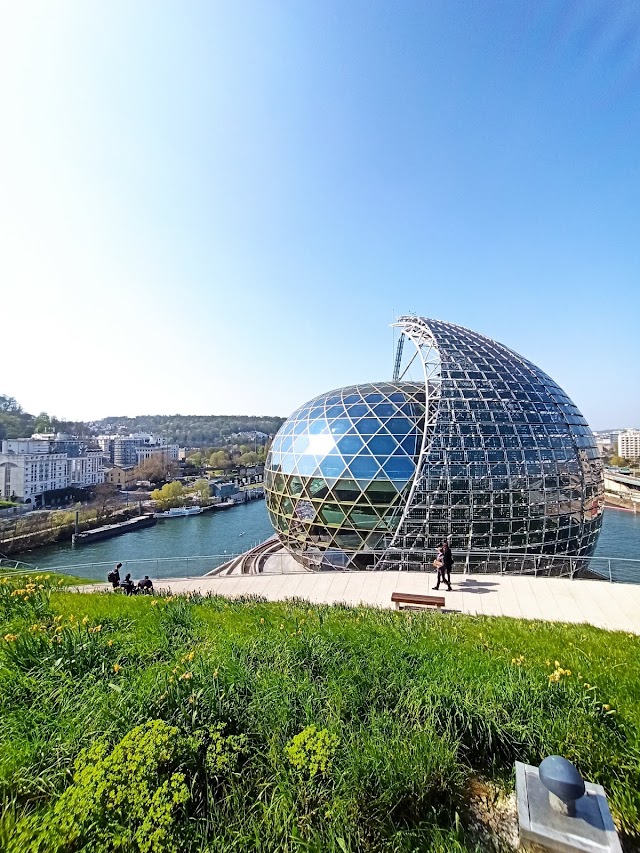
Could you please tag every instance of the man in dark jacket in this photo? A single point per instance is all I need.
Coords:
(447, 562)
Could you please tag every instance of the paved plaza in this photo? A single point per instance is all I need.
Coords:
(615, 606)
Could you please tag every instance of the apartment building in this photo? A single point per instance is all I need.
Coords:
(38, 470)
(28, 470)
(629, 444)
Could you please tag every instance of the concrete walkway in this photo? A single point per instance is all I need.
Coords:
(614, 606)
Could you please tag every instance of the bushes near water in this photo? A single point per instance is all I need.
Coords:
(174, 724)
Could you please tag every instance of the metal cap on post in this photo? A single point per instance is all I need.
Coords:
(564, 783)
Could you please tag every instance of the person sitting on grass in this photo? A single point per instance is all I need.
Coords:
(145, 586)
(128, 585)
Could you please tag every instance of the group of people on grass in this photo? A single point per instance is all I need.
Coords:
(144, 586)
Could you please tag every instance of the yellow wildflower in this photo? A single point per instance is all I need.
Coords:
(9, 638)
(85, 619)
(116, 668)
(606, 707)
(109, 642)
(186, 676)
(154, 602)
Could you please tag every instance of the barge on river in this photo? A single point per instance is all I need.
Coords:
(110, 530)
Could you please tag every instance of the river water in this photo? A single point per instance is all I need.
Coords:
(232, 531)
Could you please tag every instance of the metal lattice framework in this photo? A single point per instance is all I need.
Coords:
(485, 450)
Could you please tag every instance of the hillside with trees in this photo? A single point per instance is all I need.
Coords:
(193, 430)
(210, 431)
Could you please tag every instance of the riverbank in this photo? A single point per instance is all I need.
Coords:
(174, 548)
(41, 529)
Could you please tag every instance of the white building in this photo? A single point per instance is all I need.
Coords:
(167, 452)
(31, 467)
(86, 470)
(28, 470)
(629, 444)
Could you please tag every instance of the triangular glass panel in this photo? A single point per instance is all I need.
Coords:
(382, 445)
(318, 425)
(350, 444)
(364, 467)
(367, 426)
(288, 463)
(306, 465)
(295, 486)
(339, 426)
(332, 514)
(399, 468)
(332, 466)
(301, 442)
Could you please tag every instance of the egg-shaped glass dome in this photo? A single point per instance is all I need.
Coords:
(340, 466)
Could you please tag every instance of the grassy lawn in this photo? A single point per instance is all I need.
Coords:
(173, 724)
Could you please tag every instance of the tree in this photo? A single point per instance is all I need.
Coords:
(43, 423)
(618, 461)
(104, 497)
(201, 488)
(156, 469)
(220, 459)
(195, 459)
(10, 405)
(171, 494)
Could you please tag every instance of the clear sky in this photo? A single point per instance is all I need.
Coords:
(219, 207)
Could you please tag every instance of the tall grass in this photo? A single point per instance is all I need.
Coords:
(215, 725)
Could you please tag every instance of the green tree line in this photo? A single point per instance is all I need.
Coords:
(212, 431)
(194, 430)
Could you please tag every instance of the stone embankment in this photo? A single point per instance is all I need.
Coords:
(48, 528)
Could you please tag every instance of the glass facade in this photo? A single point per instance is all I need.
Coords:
(488, 452)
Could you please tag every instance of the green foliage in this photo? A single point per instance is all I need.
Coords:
(223, 751)
(201, 489)
(197, 724)
(311, 751)
(195, 430)
(171, 494)
(125, 797)
(618, 461)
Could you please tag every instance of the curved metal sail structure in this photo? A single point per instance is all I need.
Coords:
(507, 462)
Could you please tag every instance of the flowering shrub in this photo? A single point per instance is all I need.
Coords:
(223, 751)
(311, 751)
(127, 797)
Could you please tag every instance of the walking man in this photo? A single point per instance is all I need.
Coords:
(447, 562)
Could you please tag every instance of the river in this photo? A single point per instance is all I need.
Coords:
(233, 531)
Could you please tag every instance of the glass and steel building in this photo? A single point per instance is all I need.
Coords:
(485, 450)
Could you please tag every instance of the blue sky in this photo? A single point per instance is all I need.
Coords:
(220, 207)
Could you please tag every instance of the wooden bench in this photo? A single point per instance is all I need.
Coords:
(414, 602)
